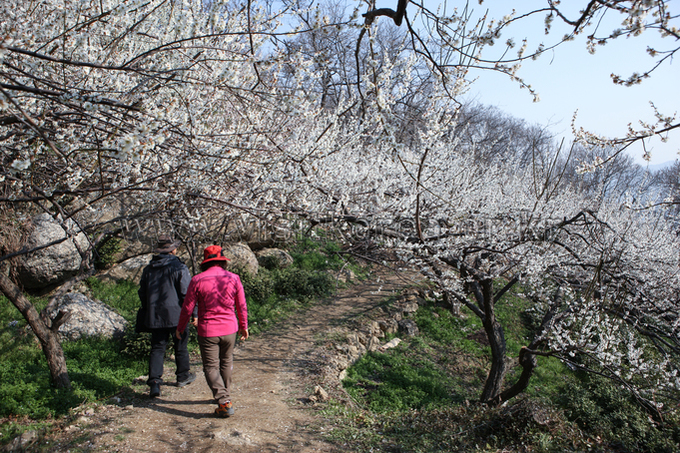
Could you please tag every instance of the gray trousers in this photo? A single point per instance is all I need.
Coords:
(217, 354)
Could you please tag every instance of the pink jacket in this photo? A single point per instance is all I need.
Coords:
(221, 303)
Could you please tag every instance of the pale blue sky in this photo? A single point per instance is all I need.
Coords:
(569, 79)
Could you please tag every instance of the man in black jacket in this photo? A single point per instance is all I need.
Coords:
(162, 289)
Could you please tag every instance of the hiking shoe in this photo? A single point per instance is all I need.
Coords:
(224, 410)
(155, 390)
(188, 380)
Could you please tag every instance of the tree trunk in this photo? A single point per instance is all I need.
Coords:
(528, 362)
(45, 330)
(527, 359)
(494, 332)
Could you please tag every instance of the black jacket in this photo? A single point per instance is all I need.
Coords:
(162, 289)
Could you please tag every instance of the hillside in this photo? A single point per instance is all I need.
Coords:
(418, 398)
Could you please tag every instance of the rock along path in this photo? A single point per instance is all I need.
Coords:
(272, 381)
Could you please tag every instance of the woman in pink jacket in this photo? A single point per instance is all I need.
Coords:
(222, 313)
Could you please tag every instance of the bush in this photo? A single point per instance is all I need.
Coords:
(269, 262)
(98, 368)
(136, 344)
(107, 251)
(420, 374)
(412, 395)
(260, 288)
(317, 256)
(603, 409)
(396, 382)
(273, 295)
(302, 284)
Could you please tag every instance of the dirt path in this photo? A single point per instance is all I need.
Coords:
(274, 376)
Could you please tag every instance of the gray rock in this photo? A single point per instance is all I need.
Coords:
(340, 362)
(130, 269)
(22, 441)
(354, 353)
(376, 329)
(357, 339)
(93, 211)
(241, 258)
(409, 327)
(320, 393)
(345, 275)
(273, 258)
(389, 326)
(407, 307)
(393, 343)
(88, 318)
(134, 248)
(56, 263)
(373, 344)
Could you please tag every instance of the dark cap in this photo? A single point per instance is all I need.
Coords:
(166, 244)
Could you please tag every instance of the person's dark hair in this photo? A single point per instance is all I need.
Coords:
(209, 264)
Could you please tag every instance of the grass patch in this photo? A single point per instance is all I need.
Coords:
(422, 372)
(121, 296)
(97, 368)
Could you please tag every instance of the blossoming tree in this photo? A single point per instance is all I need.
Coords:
(156, 101)
(603, 275)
